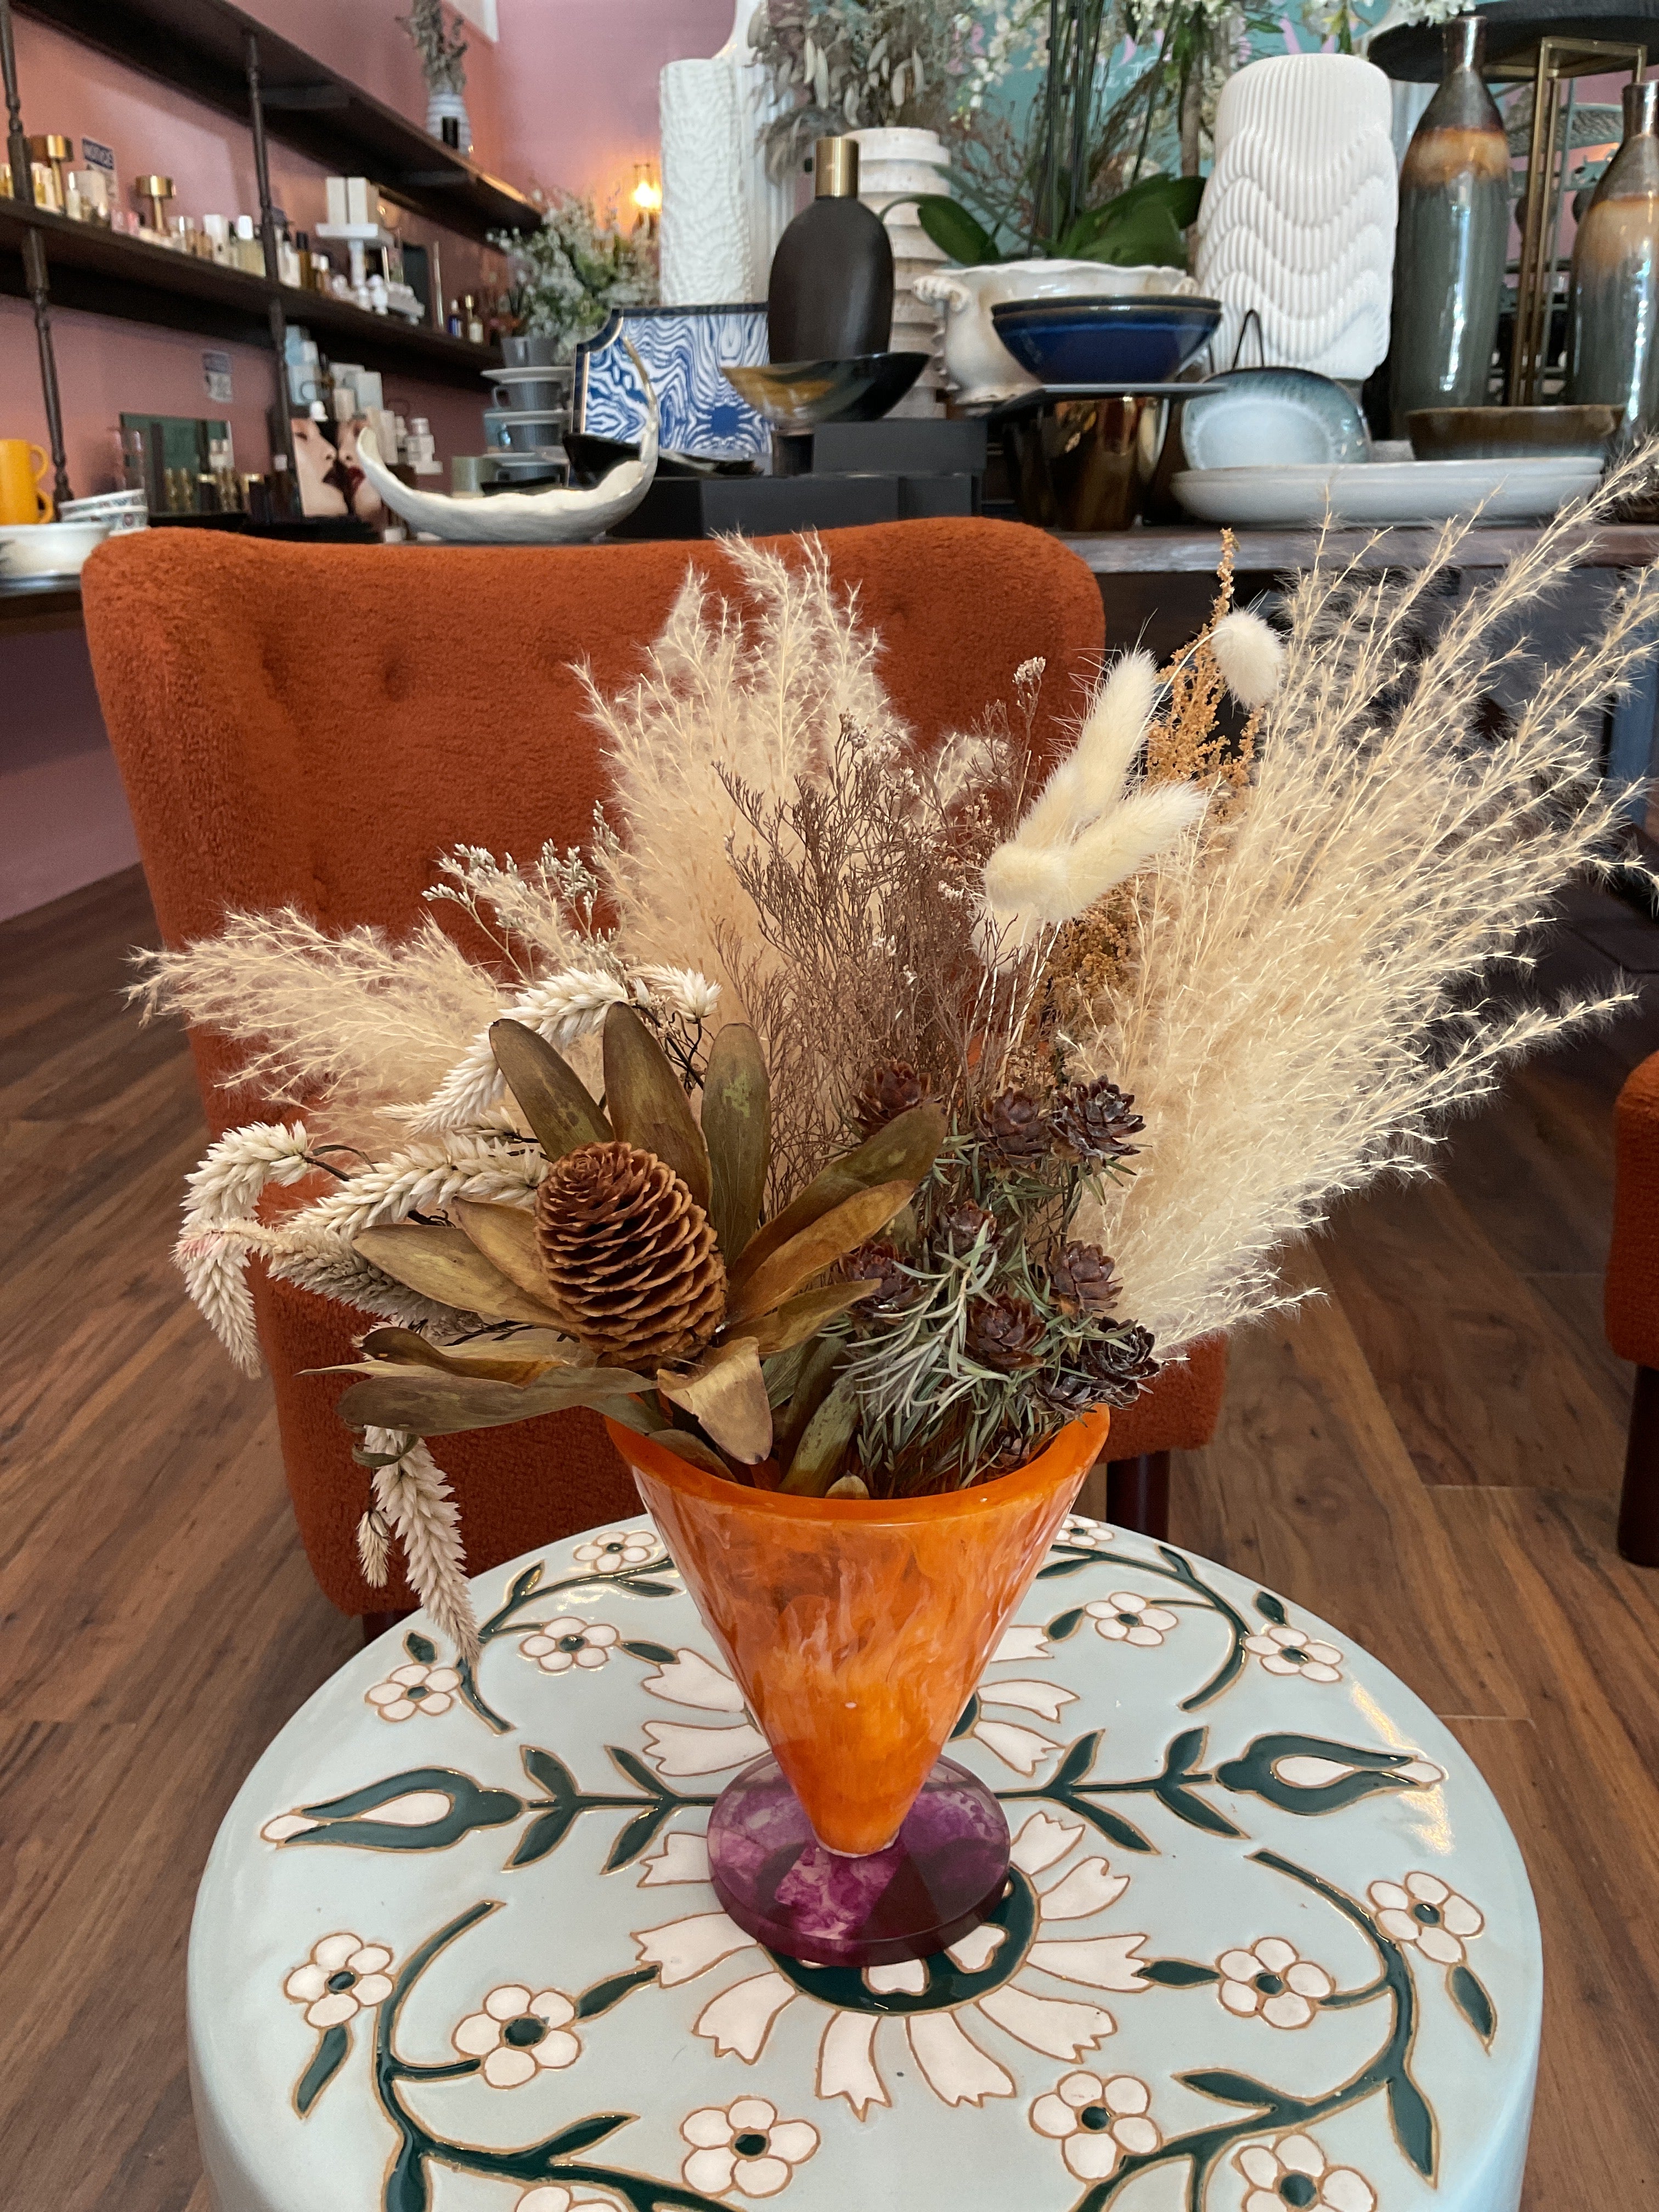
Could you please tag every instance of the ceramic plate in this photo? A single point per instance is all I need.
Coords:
(1250, 417)
(1369, 492)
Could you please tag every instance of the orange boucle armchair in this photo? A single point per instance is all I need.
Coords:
(315, 725)
(1632, 1302)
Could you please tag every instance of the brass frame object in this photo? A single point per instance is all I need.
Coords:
(1556, 61)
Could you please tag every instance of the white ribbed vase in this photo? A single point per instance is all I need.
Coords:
(722, 214)
(441, 106)
(894, 167)
(1297, 220)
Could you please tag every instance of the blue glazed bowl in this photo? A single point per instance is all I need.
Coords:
(1133, 340)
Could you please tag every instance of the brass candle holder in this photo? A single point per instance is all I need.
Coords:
(152, 194)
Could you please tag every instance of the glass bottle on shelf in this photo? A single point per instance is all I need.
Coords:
(1613, 340)
(1453, 237)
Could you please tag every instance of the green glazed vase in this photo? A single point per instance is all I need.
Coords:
(1612, 347)
(1454, 234)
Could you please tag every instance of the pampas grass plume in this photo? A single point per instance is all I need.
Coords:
(1250, 655)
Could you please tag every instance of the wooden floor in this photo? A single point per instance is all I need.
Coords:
(1430, 1457)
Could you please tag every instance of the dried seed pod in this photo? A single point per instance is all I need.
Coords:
(1110, 1370)
(881, 1262)
(889, 1090)
(629, 1255)
(1083, 1281)
(1093, 1121)
(959, 1229)
(1004, 1332)
(1014, 1125)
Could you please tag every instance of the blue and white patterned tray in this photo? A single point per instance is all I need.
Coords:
(684, 350)
(1268, 1946)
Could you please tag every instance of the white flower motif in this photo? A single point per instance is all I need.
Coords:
(1083, 1534)
(567, 1643)
(414, 1689)
(739, 2020)
(1126, 1617)
(1294, 2171)
(1096, 2123)
(1427, 1913)
(343, 1977)
(1283, 1650)
(616, 1550)
(1272, 1979)
(1017, 1746)
(518, 2035)
(745, 2146)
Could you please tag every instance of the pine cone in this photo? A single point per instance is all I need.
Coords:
(880, 1262)
(1014, 1125)
(1004, 1332)
(1083, 1281)
(1093, 1121)
(957, 1229)
(1108, 1371)
(629, 1255)
(890, 1089)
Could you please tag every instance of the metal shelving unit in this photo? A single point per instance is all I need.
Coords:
(219, 55)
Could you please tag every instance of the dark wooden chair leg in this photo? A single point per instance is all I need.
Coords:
(1639, 1508)
(376, 1624)
(1138, 1492)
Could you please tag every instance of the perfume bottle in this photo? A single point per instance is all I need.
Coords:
(454, 325)
(474, 327)
(830, 296)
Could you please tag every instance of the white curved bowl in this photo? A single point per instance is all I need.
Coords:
(1380, 492)
(47, 549)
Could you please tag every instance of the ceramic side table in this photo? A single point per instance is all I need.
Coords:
(1267, 1946)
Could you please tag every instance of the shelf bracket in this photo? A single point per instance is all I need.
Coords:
(282, 428)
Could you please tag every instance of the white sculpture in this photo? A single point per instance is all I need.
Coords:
(559, 517)
(1297, 220)
(895, 165)
(722, 215)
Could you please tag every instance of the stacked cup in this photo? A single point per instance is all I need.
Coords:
(525, 428)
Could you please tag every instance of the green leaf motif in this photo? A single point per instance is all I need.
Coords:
(1178, 1974)
(969, 1714)
(643, 1588)
(420, 1647)
(1231, 2088)
(582, 2134)
(340, 1819)
(331, 2048)
(1187, 1807)
(659, 1655)
(1112, 1825)
(1413, 2123)
(1468, 1994)
(523, 1583)
(544, 1834)
(637, 1837)
(603, 1994)
(1269, 1607)
(629, 1763)
(1078, 1760)
(406, 2186)
(1184, 1754)
(1068, 1567)
(1254, 1774)
(1064, 1624)
(553, 1775)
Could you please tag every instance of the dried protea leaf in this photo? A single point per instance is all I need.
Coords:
(684, 1445)
(646, 1106)
(818, 1453)
(428, 1403)
(798, 1319)
(506, 1235)
(549, 1094)
(903, 1151)
(402, 1347)
(442, 1263)
(725, 1393)
(850, 1486)
(736, 1127)
(817, 1247)
(813, 1385)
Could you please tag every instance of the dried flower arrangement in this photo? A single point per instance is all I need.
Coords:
(833, 1212)
(440, 44)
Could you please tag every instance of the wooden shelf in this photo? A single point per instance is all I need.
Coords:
(199, 47)
(105, 272)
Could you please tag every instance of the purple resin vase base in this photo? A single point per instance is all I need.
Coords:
(942, 1874)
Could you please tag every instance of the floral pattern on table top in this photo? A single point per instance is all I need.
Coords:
(1017, 2012)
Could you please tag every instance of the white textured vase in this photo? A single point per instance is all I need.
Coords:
(1297, 220)
(722, 215)
(895, 166)
(439, 106)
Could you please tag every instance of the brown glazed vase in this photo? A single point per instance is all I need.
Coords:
(857, 1629)
(1453, 237)
(1613, 345)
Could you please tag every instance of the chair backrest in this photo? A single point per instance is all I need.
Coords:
(314, 725)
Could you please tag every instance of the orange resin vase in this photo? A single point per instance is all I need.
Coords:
(857, 1629)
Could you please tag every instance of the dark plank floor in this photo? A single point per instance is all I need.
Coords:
(1430, 1456)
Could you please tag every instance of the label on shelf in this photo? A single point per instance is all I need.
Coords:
(216, 375)
(97, 156)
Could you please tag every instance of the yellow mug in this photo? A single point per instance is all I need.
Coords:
(22, 470)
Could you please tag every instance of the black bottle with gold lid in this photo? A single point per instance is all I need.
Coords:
(830, 296)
